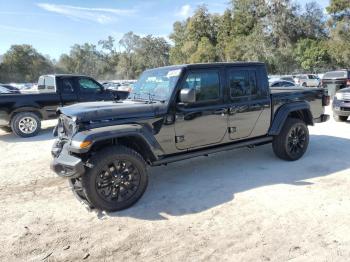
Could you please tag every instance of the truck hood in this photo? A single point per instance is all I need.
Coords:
(126, 109)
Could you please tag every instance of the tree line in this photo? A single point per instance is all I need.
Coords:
(288, 37)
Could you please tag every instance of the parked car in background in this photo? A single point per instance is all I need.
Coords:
(307, 80)
(4, 90)
(22, 113)
(10, 88)
(287, 78)
(341, 105)
(336, 80)
(281, 83)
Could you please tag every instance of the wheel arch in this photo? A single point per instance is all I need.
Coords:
(299, 110)
(132, 136)
(24, 109)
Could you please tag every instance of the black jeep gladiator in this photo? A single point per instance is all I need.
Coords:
(175, 113)
(22, 113)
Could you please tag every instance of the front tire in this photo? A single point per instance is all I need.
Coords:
(117, 179)
(25, 124)
(340, 118)
(293, 140)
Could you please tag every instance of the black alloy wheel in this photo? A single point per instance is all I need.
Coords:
(117, 179)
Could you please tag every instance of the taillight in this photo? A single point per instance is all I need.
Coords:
(325, 100)
(348, 82)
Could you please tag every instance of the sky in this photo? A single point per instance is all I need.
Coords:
(52, 27)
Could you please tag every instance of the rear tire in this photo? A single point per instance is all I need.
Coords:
(25, 124)
(292, 141)
(304, 85)
(340, 118)
(117, 179)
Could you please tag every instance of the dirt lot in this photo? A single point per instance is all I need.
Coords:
(243, 205)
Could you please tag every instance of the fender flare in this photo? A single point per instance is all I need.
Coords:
(114, 132)
(282, 113)
(33, 109)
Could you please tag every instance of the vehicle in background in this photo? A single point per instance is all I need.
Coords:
(4, 90)
(336, 80)
(341, 105)
(22, 113)
(288, 78)
(125, 87)
(12, 89)
(281, 83)
(307, 80)
(176, 113)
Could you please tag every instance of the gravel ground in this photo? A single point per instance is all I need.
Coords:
(242, 205)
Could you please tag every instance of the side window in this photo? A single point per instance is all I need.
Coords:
(242, 83)
(206, 84)
(67, 86)
(88, 86)
(46, 84)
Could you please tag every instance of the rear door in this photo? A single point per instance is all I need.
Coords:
(205, 121)
(67, 90)
(248, 98)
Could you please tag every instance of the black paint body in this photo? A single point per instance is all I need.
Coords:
(169, 131)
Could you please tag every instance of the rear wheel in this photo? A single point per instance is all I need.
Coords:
(340, 118)
(292, 141)
(304, 85)
(117, 179)
(26, 124)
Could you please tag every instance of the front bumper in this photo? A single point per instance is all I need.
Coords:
(321, 119)
(341, 108)
(64, 164)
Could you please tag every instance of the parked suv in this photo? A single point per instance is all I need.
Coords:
(307, 80)
(175, 113)
(341, 105)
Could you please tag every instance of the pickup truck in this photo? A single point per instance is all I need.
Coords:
(22, 113)
(175, 113)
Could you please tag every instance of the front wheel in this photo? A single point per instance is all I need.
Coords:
(293, 140)
(117, 180)
(25, 124)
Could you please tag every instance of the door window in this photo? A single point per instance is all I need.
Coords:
(88, 86)
(67, 86)
(206, 83)
(242, 84)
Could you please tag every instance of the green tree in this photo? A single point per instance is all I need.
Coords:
(22, 63)
(312, 55)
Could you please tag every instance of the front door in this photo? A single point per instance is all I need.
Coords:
(203, 122)
(90, 90)
(248, 99)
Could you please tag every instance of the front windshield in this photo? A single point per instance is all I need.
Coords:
(156, 84)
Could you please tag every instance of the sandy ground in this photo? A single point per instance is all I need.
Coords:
(243, 205)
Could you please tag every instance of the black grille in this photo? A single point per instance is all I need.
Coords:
(345, 108)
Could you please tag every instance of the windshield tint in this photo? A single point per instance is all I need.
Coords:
(156, 84)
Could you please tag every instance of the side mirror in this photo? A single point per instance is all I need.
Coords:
(188, 96)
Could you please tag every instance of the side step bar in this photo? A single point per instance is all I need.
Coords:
(205, 152)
